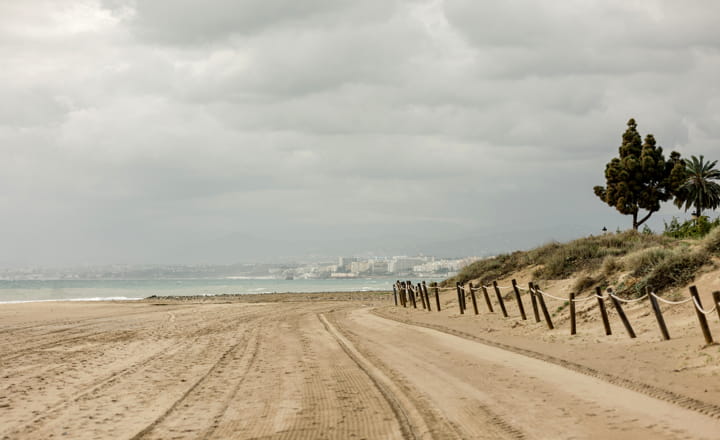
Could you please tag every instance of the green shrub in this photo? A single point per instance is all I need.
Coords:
(695, 228)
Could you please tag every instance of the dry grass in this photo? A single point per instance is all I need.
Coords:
(711, 242)
(677, 269)
(611, 265)
(585, 283)
(589, 253)
(491, 269)
(643, 261)
(650, 260)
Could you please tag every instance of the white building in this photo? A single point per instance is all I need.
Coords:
(404, 264)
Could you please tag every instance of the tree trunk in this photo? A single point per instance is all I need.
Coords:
(636, 223)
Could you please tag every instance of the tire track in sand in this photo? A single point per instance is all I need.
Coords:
(73, 326)
(493, 426)
(101, 401)
(411, 421)
(705, 408)
(530, 392)
(338, 399)
(209, 394)
(55, 371)
(303, 386)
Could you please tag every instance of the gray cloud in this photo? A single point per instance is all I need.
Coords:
(185, 131)
(187, 22)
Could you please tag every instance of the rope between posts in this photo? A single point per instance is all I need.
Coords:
(628, 300)
(707, 312)
(587, 298)
(671, 302)
(577, 300)
(551, 296)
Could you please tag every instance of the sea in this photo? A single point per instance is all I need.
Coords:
(16, 291)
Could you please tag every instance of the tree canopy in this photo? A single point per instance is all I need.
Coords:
(640, 177)
(698, 189)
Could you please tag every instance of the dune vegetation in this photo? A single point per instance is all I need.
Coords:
(629, 261)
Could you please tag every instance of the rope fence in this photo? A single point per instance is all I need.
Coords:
(586, 299)
(629, 301)
(700, 308)
(668, 301)
(406, 294)
(503, 287)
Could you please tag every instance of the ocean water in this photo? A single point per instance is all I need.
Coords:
(88, 290)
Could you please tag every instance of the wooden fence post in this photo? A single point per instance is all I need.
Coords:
(519, 300)
(463, 295)
(395, 295)
(533, 300)
(474, 300)
(411, 292)
(658, 315)
(716, 300)
(541, 300)
(487, 299)
(500, 299)
(437, 296)
(422, 297)
(460, 298)
(623, 317)
(403, 295)
(603, 312)
(701, 315)
(427, 298)
(573, 322)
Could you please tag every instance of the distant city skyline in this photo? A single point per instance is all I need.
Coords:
(343, 267)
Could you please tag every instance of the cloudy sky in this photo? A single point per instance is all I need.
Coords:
(155, 131)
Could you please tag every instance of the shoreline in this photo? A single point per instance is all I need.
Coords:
(238, 297)
(359, 295)
(32, 291)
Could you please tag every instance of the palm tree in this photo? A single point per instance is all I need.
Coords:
(698, 188)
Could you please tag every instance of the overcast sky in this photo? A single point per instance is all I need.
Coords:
(221, 130)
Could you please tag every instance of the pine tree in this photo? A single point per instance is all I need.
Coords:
(640, 178)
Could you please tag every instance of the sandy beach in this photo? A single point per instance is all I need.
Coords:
(343, 366)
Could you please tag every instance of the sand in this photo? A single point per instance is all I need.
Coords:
(344, 366)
